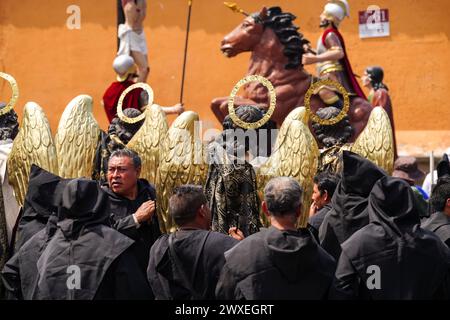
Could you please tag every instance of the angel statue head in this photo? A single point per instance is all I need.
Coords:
(332, 135)
(243, 140)
(9, 126)
(123, 130)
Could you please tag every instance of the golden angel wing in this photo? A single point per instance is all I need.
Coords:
(77, 138)
(147, 142)
(182, 162)
(295, 155)
(33, 145)
(376, 142)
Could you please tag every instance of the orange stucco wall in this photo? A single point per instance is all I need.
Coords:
(53, 64)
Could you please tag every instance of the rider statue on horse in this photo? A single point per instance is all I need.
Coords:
(331, 58)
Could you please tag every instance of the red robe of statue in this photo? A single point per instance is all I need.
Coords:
(112, 95)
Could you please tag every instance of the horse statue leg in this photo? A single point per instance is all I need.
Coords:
(219, 106)
(359, 114)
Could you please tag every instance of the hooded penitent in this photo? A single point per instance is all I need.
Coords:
(276, 264)
(349, 202)
(412, 263)
(78, 260)
(41, 201)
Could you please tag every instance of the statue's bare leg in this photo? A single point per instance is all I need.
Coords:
(142, 65)
(216, 108)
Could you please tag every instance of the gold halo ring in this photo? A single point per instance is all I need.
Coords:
(15, 93)
(120, 113)
(273, 101)
(327, 82)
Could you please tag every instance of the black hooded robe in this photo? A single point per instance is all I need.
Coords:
(122, 210)
(43, 195)
(276, 265)
(202, 257)
(349, 202)
(82, 245)
(392, 257)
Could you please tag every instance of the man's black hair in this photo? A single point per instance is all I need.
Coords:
(326, 181)
(440, 194)
(185, 202)
(129, 154)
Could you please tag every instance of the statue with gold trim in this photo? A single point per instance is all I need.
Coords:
(231, 187)
(331, 58)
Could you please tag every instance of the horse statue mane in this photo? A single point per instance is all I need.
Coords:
(282, 24)
(276, 48)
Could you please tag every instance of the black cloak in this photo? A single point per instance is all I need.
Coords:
(82, 242)
(274, 264)
(121, 216)
(201, 254)
(349, 202)
(406, 261)
(41, 201)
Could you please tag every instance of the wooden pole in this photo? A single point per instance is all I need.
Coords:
(185, 49)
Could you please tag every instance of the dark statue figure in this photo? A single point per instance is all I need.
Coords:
(231, 187)
(9, 125)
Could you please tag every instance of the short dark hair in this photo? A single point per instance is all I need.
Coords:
(185, 202)
(440, 194)
(326, 181)
(283, 196)
(129, 154)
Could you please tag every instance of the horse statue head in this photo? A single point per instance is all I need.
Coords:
(272, 24)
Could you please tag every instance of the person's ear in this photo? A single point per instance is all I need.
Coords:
(264, 208)
(202, 211)
(299, 211)
(326, 196)
(138, 171)
(447, 203)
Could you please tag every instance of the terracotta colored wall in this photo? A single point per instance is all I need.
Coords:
(53, 64)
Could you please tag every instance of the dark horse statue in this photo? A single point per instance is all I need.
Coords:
(277, 48)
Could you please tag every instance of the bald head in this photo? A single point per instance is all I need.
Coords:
(283, 196)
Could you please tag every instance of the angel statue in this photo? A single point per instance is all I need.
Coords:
(296, 152)
(375, 142)
(238, 171)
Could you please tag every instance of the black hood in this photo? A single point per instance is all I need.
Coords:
(350, 199)
(391, 205)
(83, 203)
(443, 167)
(44, 192)
(291, 251)
(359, 174)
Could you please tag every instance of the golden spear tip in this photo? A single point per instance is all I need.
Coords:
(233, 6)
